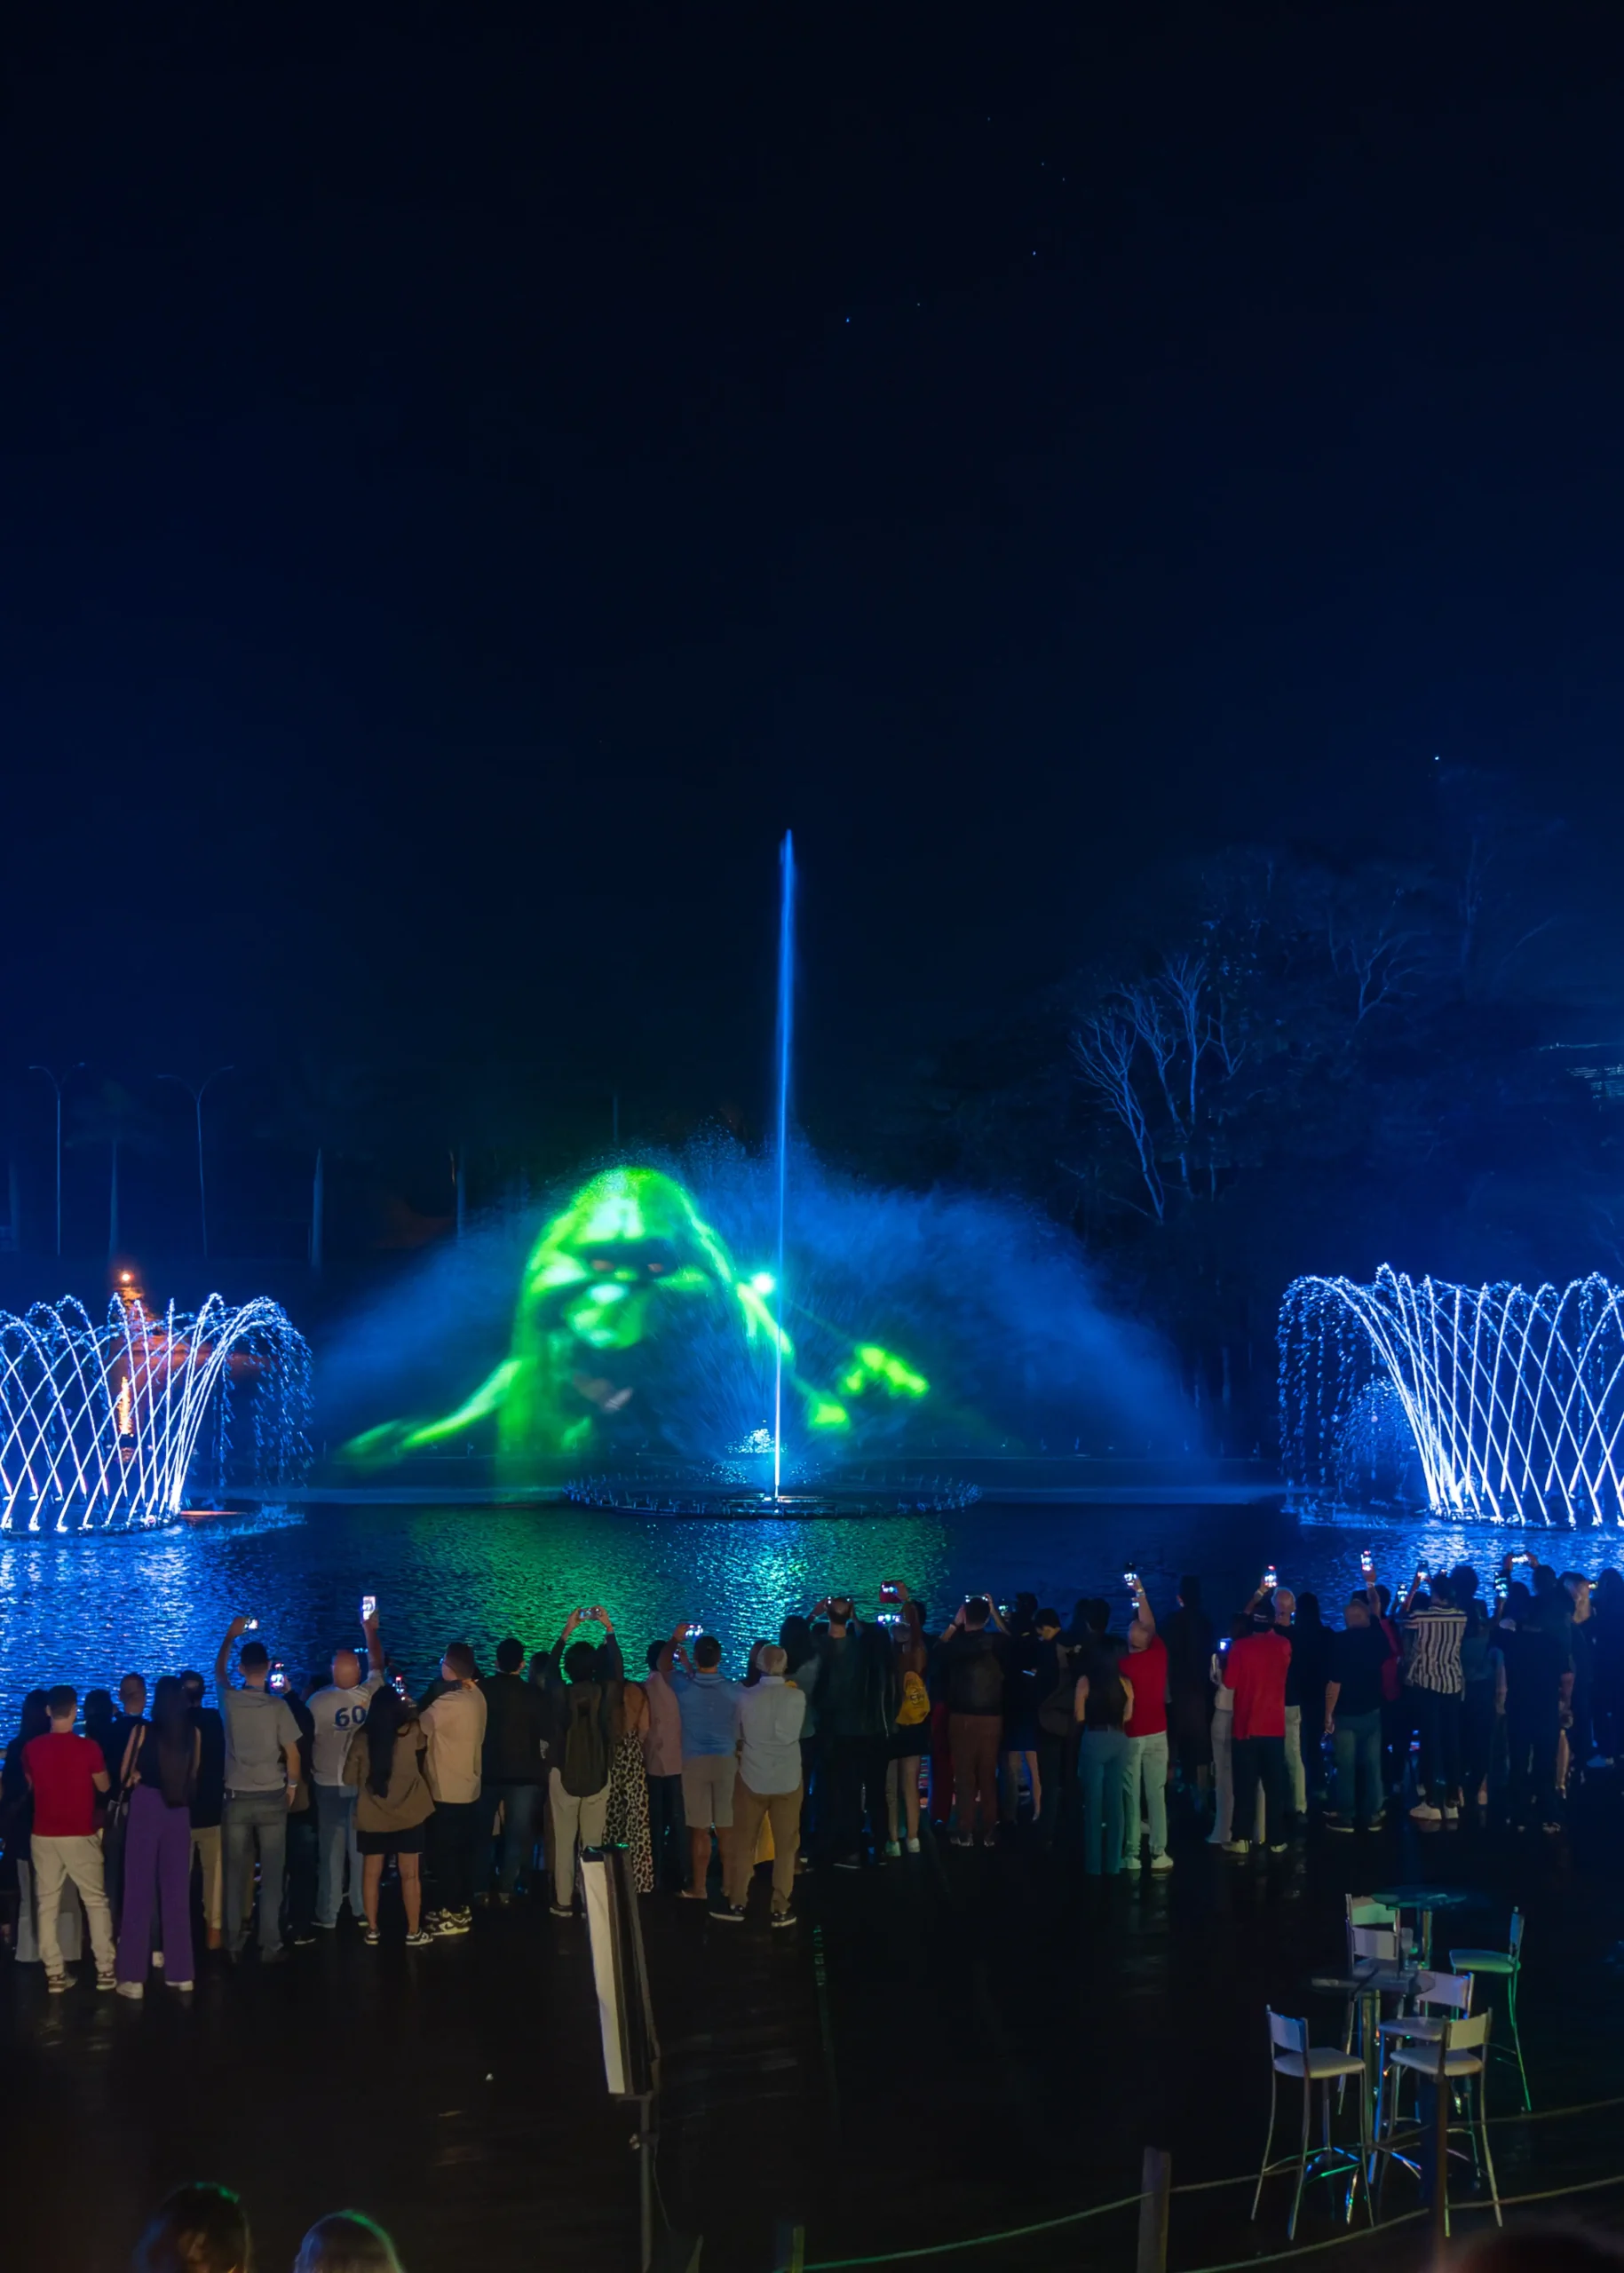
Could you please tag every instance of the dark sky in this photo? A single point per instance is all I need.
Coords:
(472, 474)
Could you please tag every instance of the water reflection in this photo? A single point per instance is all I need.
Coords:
(85, 1609)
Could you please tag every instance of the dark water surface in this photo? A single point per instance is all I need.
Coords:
(84, 1609)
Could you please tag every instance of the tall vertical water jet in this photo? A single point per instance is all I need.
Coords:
(786, 1028)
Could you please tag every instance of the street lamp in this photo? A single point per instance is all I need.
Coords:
(56, 1083)
(194, 1090)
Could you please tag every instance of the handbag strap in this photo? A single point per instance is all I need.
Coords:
(131, 1749)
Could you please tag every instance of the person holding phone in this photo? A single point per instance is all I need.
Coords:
(262, 1777)
(336, 1712)
(1433, 1630)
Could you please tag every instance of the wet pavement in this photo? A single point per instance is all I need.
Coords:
(947, 2045)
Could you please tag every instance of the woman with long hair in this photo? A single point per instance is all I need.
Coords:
(799, 1645)
(161, 1771)
(99, 1715)
(346, 2241)
(910, 1730)
(198, 2229)
(393, 1803)
(626, 1823)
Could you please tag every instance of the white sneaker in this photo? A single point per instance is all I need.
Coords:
(893, 1849)
(913, 1846)
(1424, 1812)
(184, 1986)
(1131, 1863)
(134, 1989)
(56, 1983)
(1162, 1862)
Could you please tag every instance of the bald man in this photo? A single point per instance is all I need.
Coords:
(338, 1713)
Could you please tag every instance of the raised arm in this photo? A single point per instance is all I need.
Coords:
(221, 1664)
(375, 1647)
(1142, 1604)
(679, 1648)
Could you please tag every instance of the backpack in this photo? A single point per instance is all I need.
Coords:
(584, 1766)
(1057, 1709)
(915, 1706)
(975, 1681)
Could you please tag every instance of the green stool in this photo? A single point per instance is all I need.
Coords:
(1502, 1965)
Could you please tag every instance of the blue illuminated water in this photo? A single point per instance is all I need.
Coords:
(85, 1610)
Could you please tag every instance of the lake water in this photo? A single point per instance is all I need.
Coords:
(86, 1608)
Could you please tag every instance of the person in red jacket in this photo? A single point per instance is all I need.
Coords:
(1255, 1670)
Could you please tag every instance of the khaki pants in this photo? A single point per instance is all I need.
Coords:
(570, 1815)
(206, 1846)
(783, 1811)
(55, 1861)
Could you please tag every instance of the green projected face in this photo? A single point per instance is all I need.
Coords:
(628, 1263)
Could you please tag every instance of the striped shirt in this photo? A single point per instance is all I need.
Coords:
(1432, 1650)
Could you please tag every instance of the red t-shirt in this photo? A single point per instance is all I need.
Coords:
(1146, 1670)
(60, 1767)
(1255, 1670)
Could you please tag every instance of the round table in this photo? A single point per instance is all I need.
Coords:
(1426, 1899)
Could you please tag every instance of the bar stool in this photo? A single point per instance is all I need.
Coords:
(1457, 2058)
(1450, 1998)
(1290, 2053)
(1501, 1965)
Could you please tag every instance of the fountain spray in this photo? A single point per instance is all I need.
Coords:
(786, 1023)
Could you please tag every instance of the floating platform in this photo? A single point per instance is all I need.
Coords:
(727, 1501)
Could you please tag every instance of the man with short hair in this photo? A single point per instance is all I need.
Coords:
(65, 1774)
(510, 1773)
(1255, 1669)
(584, 1687)
(131, 1714)
(262, 1780)
(1297, 1768)
(454, 1770)
(207, 1803)
(769, 1716)
(1145, 1764)
(336, 1713)
(973, 1662)
(1353, 1716)
(708, 1706)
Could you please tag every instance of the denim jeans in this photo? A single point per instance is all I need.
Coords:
(522, 1804)
(336, 1831)
(1145, 1766)
(255, 1818)
(1356, 1742)
(1100, 1756)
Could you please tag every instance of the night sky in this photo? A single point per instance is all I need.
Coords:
(473, 475)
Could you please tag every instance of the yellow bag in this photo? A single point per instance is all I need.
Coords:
(915, 1706)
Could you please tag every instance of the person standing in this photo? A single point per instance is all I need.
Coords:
(65, 1772)
(207, 1803)
(511, 1771)
(1296, 1780)
(336, 1713)
(158, 1847)
(262, 1780)
(1353, 1717)
(1256, 1669)
(1144, 1762)
(1433, 1629)
(973, 1657)
(455, 1725)
(626, 1820)
(1103, 1699)
(131, 1715)
(855, 1702)
(910, 1730)
(709, 1736)
(384, 1767)
(584, 1695)
(769, 1717)
(1192, 1641)
(1056, 1676)
(662, 1767)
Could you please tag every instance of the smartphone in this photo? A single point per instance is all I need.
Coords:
(279, 1679)
(1422, 1573)
(397, 1681)
(368, 1609)
(1130, 1580)
(1223, 1646)
(1367, 1563)
(889, 1618)
(693, 1628)
(252, 1625)
(891, 1589)
(1272, 1579)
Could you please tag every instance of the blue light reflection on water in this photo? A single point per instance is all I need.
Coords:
(86, 1608)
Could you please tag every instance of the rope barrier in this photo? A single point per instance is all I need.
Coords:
(1336, 2241)
(974, 2241)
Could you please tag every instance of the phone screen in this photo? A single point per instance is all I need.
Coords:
(252, 1625)
(369, 1607)
(889, 1590)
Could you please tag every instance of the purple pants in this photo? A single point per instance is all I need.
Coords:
(157, 1870)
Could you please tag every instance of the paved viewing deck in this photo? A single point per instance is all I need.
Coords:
(957, 2044)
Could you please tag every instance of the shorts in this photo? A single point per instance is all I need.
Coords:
(708, 1790)
(393, 1842)
(909, 1743)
